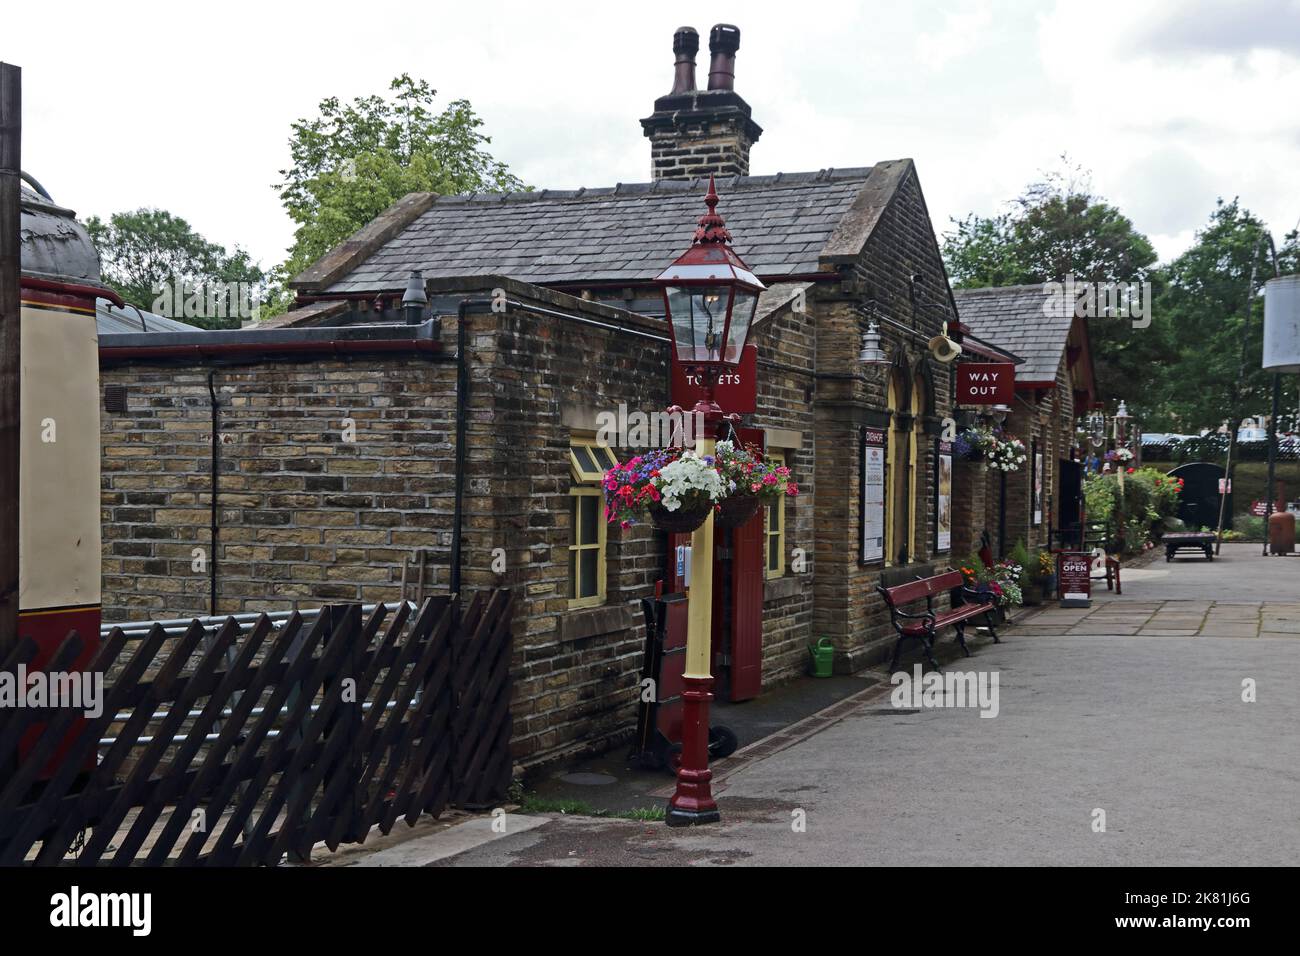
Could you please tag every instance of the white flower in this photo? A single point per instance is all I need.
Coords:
(685, 477)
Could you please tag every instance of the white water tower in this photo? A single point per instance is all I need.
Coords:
(1282, 324)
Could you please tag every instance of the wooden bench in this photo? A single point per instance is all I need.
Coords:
(924, 625)
(1200, 540)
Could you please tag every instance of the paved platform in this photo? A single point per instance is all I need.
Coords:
(1100, 711)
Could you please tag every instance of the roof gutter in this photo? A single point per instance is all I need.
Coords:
(119, 353)
(252, 344)
(306, 298)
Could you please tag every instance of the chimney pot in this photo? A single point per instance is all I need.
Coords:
(686, 43)
(694, 133)
(724, 41)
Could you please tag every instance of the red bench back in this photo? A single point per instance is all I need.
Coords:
(926, 587)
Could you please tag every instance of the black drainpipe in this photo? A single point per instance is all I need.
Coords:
(216, 467)
(1002, 515)
(462, 406)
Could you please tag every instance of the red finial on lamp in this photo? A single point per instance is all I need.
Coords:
(712, 227)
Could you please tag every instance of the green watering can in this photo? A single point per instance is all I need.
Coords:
(823, 657)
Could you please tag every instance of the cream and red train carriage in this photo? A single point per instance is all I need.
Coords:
(59, 514)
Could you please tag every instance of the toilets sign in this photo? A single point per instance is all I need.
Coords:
(986, 383)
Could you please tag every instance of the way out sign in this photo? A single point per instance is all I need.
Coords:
(986, 383)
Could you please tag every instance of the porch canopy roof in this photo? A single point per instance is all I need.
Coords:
(1029, 322)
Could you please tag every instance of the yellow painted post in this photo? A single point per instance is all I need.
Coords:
(699, 620)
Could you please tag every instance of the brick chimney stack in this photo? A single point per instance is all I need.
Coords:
(702, 132)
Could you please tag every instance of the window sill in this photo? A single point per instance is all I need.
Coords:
(589, 622)
(787, 586)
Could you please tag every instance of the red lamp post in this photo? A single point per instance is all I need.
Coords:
(710, 297)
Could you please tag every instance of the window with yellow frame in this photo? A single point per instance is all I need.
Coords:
(774, 527)
(588, 462)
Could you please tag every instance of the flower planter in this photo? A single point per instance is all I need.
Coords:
(734, 511)
(1032, 595)
(684, 520)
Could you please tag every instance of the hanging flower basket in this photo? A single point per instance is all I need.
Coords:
(735, 510)
(669, 483)
(684, 519)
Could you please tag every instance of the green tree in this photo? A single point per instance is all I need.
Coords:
(1211, 296)
(146, 253)
(354, 160)
(1058, 227)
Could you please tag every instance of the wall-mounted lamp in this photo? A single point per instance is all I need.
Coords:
(872, 353)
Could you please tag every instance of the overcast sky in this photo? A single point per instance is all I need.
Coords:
(187, 107)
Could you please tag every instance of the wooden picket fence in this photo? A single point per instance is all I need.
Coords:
(246, 743)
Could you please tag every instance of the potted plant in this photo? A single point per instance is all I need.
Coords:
(1047, 573)
(980, 577)
(750, 480)
(1006, 576)
(678, 488)
(1031, 591)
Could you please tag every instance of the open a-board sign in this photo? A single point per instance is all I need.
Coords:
(1074, 578)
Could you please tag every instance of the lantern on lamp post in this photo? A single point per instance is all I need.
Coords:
(710, 299)
(1122, 418)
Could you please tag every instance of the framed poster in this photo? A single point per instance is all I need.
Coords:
(873, 495)
(1038, 485)
(943, 498)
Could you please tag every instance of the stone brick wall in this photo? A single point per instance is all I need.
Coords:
(700, 133)
(536, 382)
(304, 515)
(787, 346)
(850, 396)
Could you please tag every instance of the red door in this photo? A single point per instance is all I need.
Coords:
(748, 573)
(739, 573)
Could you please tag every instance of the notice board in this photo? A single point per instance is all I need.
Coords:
(873, 495)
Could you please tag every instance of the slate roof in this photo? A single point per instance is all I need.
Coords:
(1017, 319)
(779, 225)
